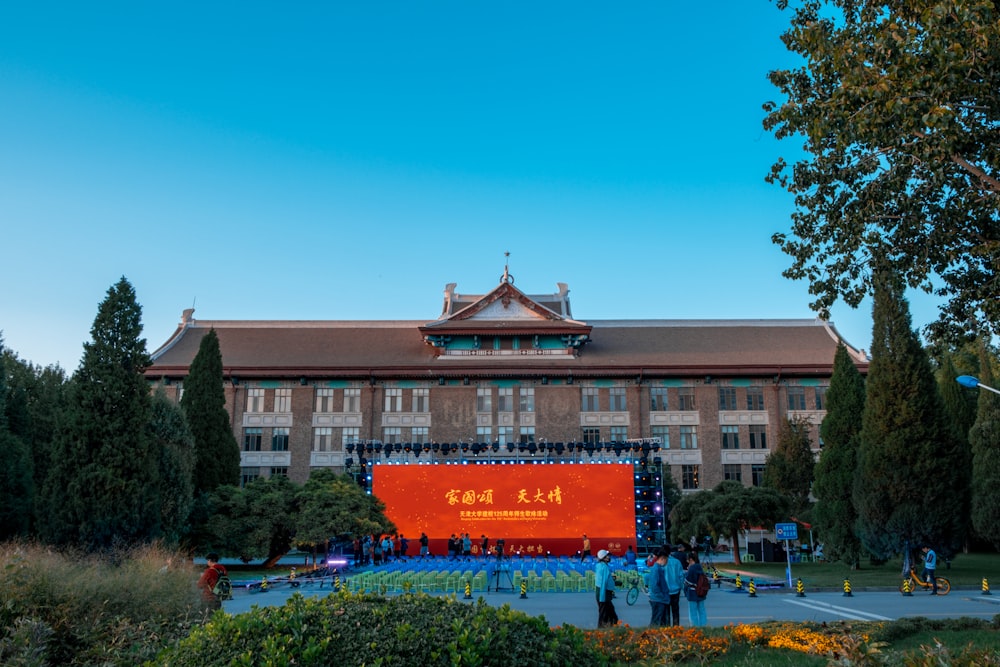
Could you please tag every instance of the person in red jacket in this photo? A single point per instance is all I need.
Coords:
(208, 579)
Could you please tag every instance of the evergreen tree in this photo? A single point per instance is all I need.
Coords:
(985, 440)
(217, 455)
(175, 446)
(789, 466)
(103, 490)
(17, 488)
(959, 404)
(910, 470)
(841, 430)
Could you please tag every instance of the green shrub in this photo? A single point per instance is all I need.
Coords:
(70, 609)
(368, 629)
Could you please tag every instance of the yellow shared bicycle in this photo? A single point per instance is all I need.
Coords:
(913, 581)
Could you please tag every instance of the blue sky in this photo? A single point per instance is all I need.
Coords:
(346, 160)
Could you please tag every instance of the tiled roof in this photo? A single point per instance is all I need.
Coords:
(671, 347)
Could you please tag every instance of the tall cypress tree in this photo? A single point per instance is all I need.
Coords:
(17, 489)
(217, 455)
(103, 490)
(175, 447)
(908, 488)
(841, 429)
(984, 436)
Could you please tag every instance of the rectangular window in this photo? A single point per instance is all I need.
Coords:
(279, 439)
(255, 400)
(689, 437)
(689, 477)
(393, 400)
(391, 435)
(758, 436)
(484, 399)
(248, 475)
(323, 439)
(732, 471)
(505, 434)
(755, 398)
(727, 398)
(685, 399)
(484, 434)
(796, 398)
(252, 438)
(419, 434)
(350, 435)
(591, 435)
(324, 400)
(589, 399)
(658, 399)
(282, 400)
(821, 397)
(616, 399)
(730, 437)
(663, 433)
(619, 433)
(505, 399)
(757, 475)
(352, 400)
(527, 399)
(421, 400)
(279, 472)
(527, 434)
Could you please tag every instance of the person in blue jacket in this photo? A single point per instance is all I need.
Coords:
(674, 572)
(696, 604)
(604, 583)
(659, 595)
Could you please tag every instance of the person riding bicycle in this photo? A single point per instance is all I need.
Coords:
(930, 565)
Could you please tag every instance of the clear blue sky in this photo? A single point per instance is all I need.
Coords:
(344, 160)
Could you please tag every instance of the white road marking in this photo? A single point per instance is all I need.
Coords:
(853, 614)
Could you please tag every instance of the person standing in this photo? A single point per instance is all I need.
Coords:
(604, 583)
(930, 565)
(674, 574)
(586, 548)
(424, 541)
(485, 546)
(630, 558)
(208, 579)
(466, 545)
(696, 603)
(659, 595)
(404, 546)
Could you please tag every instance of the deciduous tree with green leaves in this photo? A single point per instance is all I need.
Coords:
(217, 455)
(727, 510)
(834, 512)
(103, 490)
(897, 106)
(912, 482)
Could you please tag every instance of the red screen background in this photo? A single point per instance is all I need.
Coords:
(534, 508)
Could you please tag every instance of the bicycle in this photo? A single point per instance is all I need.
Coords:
(634, 582)
(943, 585)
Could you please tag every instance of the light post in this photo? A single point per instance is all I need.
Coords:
(973, 383)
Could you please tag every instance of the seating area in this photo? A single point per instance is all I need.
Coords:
(442, 575)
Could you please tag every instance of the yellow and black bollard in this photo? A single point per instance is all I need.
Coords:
(986, 586)
(800, 589)
(263, 585)
(907, 587)
(752, 587)
(524, 589)
(739, 583)
(336, 583)
(715, 577)
(847, 588)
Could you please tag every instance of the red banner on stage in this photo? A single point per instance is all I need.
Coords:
(536, 508)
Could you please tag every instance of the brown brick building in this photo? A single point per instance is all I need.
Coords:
(508, 375)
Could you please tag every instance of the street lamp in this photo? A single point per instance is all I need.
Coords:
(972, 383)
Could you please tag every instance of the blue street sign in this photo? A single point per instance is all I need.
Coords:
(786, 531)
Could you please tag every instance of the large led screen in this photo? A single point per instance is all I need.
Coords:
(533, 508)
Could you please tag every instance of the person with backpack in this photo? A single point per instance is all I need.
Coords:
(214, 583)
(697, 585)
(659, 595)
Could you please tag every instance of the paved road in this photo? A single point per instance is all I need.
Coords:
(724, 606)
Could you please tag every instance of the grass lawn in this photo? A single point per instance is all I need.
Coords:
(967, 570)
